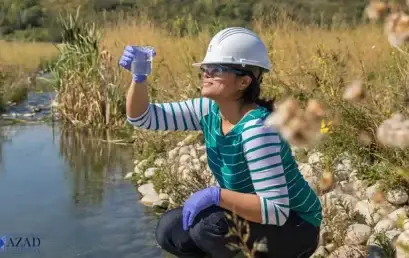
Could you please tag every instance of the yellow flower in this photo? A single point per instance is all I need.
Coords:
(325, 127)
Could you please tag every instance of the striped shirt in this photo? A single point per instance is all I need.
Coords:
(250, 158)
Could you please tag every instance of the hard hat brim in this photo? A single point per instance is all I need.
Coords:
(268, 69)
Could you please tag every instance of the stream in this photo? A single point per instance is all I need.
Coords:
(63, 194)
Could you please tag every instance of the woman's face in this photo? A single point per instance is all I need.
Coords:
(223, 83)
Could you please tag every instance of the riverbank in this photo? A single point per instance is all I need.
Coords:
(66, 188)
(362, 182)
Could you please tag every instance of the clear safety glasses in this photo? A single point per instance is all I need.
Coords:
(216, 70)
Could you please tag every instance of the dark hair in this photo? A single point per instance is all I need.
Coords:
(252, 92)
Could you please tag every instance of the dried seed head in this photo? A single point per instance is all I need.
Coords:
(326, 181)
(355, 91)
(285, 112)
(397, 28)
(378, 197)
(278, 119)
(298, 127)
(365, 138)
(375, 10)
(294, 132)
(394, 132)
(315, 110)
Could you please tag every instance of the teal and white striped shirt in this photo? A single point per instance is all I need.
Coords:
(251, 158)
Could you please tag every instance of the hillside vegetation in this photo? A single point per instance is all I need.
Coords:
(36, 19)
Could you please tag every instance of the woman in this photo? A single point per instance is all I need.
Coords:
(258, 178)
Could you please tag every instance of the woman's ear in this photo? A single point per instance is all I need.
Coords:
(245, 82)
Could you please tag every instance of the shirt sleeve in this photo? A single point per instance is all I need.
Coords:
(173, 116)
(262, 150)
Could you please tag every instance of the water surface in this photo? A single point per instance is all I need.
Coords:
(66, 188)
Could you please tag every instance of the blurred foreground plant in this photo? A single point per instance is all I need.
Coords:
(299, 127)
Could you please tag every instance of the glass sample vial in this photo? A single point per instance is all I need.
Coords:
(142, 66)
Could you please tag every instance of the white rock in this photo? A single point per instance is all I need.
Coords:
(181, 144)
(346, 251)
(172, 154)
(397, 197)
(193, 153)
(353, 176)
(405, 224)
(373, 189)
(393, 234)
(399, 213)
(315, 158)
(342, 171)
(200, 148)
(136, 169)
(184, 159)
(146, 188)
(150, 198)
(184, 150)
(180, 169)
(347, 162)
(306, 170)
(129, 175)
(135, 162)
(359, 185)
(330, 247)
(186, 173)
(196, 167)
(159, 162)
(385, 208)
(384, 225)
(163, 196)
(333, 200)
(203, 158)
(150, 172)
(401, 243)
(357, 234)
(320, 252)
(347, 186)
(196, 162)
(367, 210)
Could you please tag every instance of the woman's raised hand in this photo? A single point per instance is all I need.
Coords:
(142, 58)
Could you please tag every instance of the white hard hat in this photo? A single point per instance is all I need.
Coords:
(237, 45)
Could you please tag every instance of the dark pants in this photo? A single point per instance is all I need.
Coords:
(207, 236)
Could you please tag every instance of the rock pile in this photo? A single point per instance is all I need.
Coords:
(183, 161)
(356, 214)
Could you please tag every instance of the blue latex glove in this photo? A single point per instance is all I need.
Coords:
(141, 55)
(199, 201)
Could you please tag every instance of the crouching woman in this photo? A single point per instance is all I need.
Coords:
(258, 178)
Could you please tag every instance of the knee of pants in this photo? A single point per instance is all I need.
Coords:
(165, 225)
(210, 225)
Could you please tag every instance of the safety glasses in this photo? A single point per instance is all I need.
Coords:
(215, 70)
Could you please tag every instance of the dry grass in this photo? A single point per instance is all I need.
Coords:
(20, 61)
(309, 63)
(25, 55)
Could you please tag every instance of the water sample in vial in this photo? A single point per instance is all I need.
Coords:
(143, 66)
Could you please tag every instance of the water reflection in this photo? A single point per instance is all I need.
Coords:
(66, 187)
(93, 163)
